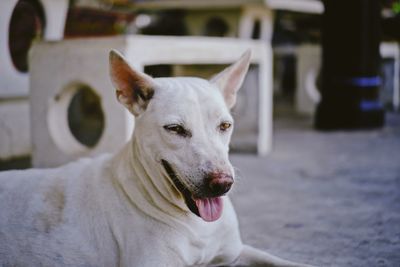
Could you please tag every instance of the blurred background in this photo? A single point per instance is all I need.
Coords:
(317, 132)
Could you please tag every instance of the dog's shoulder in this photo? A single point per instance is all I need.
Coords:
(42, 206)
(39, 196)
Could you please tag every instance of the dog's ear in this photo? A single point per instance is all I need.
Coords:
(230, 79)
(133, 88)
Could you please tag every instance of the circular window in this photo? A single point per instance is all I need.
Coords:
(26, 26)
(85, 116)
(76, 119)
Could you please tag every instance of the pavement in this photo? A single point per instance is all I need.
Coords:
(323, 198)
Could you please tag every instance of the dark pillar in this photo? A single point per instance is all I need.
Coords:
(350, 66)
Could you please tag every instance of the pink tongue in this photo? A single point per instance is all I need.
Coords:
(210, 209)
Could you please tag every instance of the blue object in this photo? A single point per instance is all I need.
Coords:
(367, 105)
(366, 81)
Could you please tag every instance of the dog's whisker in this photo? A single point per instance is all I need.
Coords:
(238, 174)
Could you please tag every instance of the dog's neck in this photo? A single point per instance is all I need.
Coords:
(145, 183)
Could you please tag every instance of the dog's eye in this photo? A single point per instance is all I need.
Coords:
(178, 129)
(225, 126)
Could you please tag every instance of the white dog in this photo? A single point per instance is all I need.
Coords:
(159, 202)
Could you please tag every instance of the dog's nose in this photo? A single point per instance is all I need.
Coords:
(219, 183)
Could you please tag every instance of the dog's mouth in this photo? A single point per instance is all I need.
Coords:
(209, 209)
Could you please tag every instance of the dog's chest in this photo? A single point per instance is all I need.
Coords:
(203, 246)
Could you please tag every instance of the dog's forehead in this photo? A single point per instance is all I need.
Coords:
(174, 94)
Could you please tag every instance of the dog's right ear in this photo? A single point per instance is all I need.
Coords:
(133, 88)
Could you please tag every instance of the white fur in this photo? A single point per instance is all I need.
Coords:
(123, 210)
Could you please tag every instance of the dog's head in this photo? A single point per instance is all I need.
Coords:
(184, 124)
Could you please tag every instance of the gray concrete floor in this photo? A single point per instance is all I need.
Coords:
(324, 198)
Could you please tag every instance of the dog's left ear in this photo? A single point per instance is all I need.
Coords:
(134, 89)
(230, 79)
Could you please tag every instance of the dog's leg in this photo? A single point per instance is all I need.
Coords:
(255, 257)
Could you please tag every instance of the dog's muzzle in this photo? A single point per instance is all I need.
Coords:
(217, 184)
(181, 188)
(207, 202)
